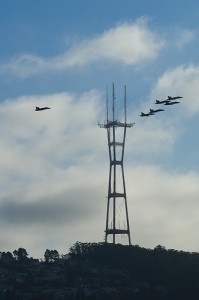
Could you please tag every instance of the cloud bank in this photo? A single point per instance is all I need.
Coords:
(128, 44)
(47, 163)
(181, 80)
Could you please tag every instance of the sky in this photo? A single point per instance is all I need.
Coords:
(54, 164)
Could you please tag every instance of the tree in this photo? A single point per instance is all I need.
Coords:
(51, 255)
(21, 254)
(160, 248)
(6, 257)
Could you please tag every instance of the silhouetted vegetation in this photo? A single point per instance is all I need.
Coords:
(175, 272)
(51, 255)
(100, 271)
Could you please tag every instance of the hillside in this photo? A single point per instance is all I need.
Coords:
(155, 274)
(100, 271)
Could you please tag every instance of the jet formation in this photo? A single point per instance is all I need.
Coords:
(41, 108)
(168, 101)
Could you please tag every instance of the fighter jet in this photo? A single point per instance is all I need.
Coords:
(145, 115)
(168, 102)
(160, 102)
(153, 111)
(174, 98)
(41, 108)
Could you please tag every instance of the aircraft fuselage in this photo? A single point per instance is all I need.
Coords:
(41, 108)
(171, 103)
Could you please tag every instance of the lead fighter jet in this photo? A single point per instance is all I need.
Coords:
(146, 115)
(41, 108)
(153, 111)
(174, 98)
(168, 102)
(161, 101)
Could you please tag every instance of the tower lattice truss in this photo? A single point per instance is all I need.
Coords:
(117, 219)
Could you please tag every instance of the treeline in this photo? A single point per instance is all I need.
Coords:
(177, 272)
(21, 255)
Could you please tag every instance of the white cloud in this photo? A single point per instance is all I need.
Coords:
(127, 43)
(130, 43)
(163, 207)
(161, 135)
(184, 37)
(36, 144)
(51, 169)
(181, 80)
(179, 37)
(152, 138)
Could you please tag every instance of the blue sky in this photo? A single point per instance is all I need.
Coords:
(54, 164)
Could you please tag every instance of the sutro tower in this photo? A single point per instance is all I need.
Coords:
(117, 220)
